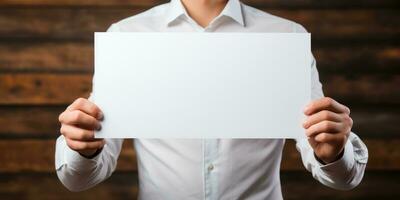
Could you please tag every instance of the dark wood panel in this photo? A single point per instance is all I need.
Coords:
(352, 89)
(59, 23)
(38, 156)
(42, 122)
(30, 122)
(80, 23)
(258, 3)
(348, 25)
(46, 57)
(61, 89)
(43, 88)
(383, 155)
(78, 57)
(375, 185)
(47, 186)
(295, 186)
(376, 123)
(357, 59)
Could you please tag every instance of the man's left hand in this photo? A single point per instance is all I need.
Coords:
(328, 126)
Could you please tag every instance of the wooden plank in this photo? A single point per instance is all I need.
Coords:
(349, 25)
(80, 23)
(376, 123)
(78, 57)
(383, 155)
(379, 89)
(62, 89)
(258, 3)
(47, 186)
(46, 57)
(295, 186)
(42, 122)
(357, 59)
(43, 88)
(59, 23)
(30, 122)
(375, 185)
(38, 156)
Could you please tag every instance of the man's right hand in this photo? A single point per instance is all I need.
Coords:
(78, 123)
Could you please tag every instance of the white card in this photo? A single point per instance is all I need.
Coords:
(202, 85)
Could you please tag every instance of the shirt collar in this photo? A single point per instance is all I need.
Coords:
(232, 9)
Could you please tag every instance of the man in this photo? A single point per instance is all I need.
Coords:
(211, 168)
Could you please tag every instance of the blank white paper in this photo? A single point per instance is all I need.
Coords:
(202, 85)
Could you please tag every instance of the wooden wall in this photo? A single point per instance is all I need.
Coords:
(46, 61)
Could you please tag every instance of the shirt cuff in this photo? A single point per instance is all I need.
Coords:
(78, 162)
(71, 158)
(344, 164)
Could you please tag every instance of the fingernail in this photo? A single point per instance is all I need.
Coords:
(304, 124)
(100, 116)
(98, 127)
(307, 111)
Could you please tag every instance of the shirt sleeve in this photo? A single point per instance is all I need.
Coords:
(78, 173)
(345, 173)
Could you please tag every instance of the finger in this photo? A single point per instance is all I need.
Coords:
(328, 138)
(325, 103)
(324, 127)
(312, 142)
(77, 117)
(86, 106)
(324, 115)
(80, 145)
(75, 133)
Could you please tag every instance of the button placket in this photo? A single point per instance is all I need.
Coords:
(210, 177)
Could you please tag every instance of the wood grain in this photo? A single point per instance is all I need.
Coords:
(30, 122)
(38, 156)
(375, 185)
(379, 89)
(80, 23)
(47, 186)
(67, 57)
(59, 57)
(43, 88)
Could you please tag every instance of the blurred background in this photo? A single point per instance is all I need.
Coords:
(46, 61)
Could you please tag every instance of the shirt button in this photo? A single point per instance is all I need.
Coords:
(210, 167)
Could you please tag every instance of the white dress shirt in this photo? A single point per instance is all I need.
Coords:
(210, 168)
